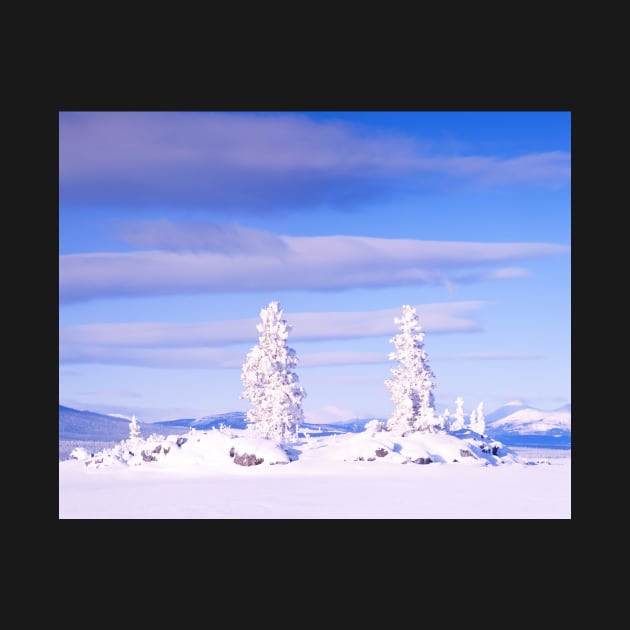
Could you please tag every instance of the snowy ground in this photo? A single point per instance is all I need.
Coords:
(324, 480)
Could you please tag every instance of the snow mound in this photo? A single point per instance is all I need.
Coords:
(199, 450)
(192, 450)
(79, 453)
(468, 448)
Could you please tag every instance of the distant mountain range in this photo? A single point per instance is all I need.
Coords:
(514, 424)
(87, 425)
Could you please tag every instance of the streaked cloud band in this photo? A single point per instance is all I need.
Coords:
(308, 263)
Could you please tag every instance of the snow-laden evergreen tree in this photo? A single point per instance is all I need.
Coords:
(413, 383)
(478, 420)
(134, 429)
(458, 421)
(271, 385)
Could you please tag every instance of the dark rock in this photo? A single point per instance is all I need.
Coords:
(180, 441)
(464, 452)
(247, 459)
(147, 457)
(380, 452)
(422, 460)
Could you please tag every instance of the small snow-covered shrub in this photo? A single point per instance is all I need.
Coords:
(375, 426)
(225, 430)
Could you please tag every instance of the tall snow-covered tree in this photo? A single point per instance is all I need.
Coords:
(271, 385)
(413, 383)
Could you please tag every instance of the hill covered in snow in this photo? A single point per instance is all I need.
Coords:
(374, 444)
(87, 425)
(513, 424)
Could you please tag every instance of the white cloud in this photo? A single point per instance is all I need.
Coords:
(317, 359)
(211, 152)
(202, 345)
(489, 356)
(200, 236)
(439, 317)
(182, 358)
(308, 263)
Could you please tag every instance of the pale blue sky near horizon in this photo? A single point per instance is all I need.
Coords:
(176, 228)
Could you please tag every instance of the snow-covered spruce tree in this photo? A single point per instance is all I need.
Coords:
(271, 385)
(478, 420)
(412, 386)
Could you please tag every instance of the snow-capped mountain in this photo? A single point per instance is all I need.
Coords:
(518, 424)
(515, 417)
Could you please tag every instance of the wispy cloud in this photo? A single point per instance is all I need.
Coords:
(489, 356)
(254, 162)
(347, 379)
(199, 236)
(436, 318)
(304, 263)
(553, 167)
(167, 358)
(203, 345)
(214, 358)
(318, 359)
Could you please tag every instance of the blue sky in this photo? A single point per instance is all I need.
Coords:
(177, 228)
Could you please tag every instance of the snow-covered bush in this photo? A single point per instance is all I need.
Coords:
(375, 426)
(79, 453)
(224, 429)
